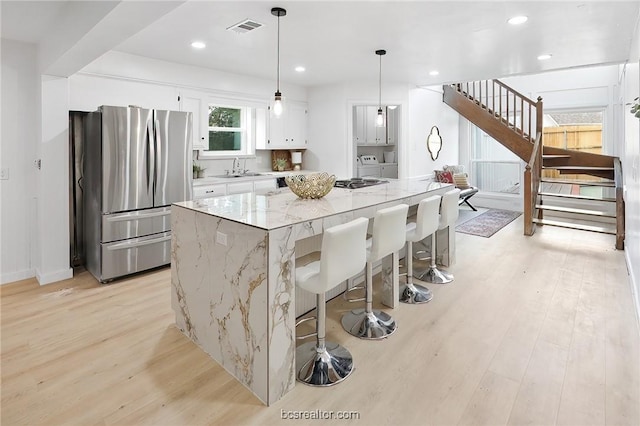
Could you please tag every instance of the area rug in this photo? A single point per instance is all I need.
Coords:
(488, 223)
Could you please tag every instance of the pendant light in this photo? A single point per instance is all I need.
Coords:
(277, 104)
(380, 116)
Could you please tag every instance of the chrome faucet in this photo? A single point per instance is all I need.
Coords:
(236, 165)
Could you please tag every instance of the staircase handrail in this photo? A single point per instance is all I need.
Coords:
(620, 222)
(489, 95)
(509, 89)
(532, 175)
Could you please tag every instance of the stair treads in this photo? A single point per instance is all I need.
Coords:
(577, 197)
(590, 168)
(607, 183)
(573, 210)
(545, 156)
(600, 229)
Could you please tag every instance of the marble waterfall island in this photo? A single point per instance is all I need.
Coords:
(232, 272)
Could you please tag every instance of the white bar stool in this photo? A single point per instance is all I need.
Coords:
(388, 237)
(448, 217)
(343, 255)
(427, 221)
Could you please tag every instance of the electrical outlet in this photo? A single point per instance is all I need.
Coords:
(221, 238)
(4, 173)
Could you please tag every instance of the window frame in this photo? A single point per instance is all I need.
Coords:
(511, 159)
(248, 127)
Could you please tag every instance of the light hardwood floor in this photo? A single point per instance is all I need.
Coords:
(534, 330)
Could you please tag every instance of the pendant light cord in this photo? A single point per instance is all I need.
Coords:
(278, 54)
(380, 84)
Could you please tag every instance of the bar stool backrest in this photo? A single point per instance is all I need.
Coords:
(389, 233)
(449, 208)
(343, 253)
(427, 218)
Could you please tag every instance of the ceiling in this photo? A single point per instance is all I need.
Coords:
(335, 40)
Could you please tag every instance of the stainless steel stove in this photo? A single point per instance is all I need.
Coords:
(355, 183)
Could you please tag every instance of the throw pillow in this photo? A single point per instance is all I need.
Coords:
(443, 177)
(461, 181)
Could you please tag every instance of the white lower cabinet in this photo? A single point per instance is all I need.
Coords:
(208, 191)
(239, 187)
(218, 189)
(389, 171)
(264, 185)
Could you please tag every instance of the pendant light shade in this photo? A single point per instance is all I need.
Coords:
(277, 104)
(380, 116)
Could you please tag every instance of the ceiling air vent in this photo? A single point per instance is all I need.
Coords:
(245, 26)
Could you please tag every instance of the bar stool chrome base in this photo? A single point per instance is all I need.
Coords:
(323, 366)
(415, 294)
(368, 325)
(435, 276)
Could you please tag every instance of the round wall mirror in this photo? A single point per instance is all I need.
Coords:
(434, 142)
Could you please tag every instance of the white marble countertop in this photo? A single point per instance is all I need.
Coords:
(279, 208)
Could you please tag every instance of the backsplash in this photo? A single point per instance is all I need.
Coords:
(261, 162)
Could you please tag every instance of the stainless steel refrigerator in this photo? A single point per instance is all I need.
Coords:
(136, 163)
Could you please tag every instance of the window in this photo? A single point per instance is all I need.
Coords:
(493, 167)
(230, 128)
(227, 129)
(575, 130)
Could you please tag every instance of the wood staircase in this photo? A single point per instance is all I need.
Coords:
(554, 178)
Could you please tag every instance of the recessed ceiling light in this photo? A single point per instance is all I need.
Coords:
(544, 57)
(434, 72)
(517, 20)
(300, 68)
(198, 45)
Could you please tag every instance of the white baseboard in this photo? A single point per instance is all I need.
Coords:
(11, 277)
(634, 286)
(52, 277)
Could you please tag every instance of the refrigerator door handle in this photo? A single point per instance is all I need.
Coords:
(128, 245)
(151, 160)
(136, 216)
(160, 157)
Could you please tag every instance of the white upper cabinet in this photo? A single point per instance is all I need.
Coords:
(365, 131)
(392, 126)
(287, 131)
(296, 125)
(360, 124)
(375, 134)
(195, 103)
(262, 126)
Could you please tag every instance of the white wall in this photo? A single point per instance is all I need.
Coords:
(426, 110)
(329, 149)
(19, 124)
(593, 87)
(331, 127)
(631, 166)
(52, 180)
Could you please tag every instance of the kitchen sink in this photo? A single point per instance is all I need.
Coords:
(238, 175)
